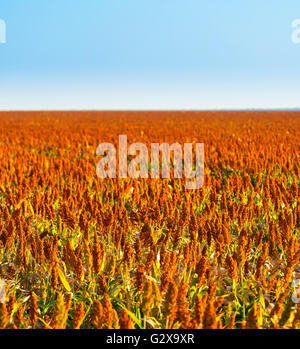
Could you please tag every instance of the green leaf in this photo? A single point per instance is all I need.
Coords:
(133, 316)
(63, 279)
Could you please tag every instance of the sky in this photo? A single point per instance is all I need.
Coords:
(149, 54)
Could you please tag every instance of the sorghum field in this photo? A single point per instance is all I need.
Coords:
(77, 251)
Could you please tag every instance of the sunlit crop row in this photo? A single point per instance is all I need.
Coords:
(77, 251)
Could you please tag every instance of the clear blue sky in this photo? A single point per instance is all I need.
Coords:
(149, 54)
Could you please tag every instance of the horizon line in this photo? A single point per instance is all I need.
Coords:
(147, 110)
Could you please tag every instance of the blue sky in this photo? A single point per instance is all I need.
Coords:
(149, 54)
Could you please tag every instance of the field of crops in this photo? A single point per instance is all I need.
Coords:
(77, 251)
